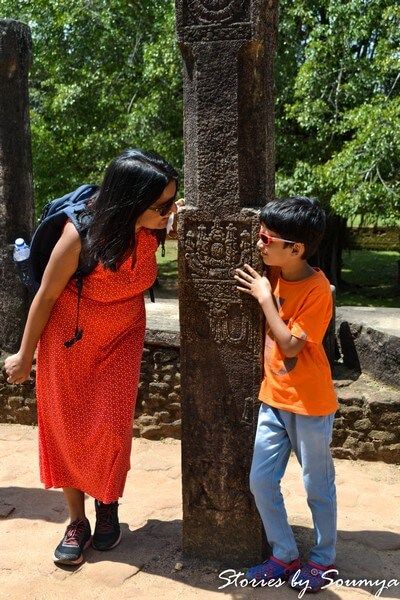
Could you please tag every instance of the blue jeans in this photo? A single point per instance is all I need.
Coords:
(278, 432)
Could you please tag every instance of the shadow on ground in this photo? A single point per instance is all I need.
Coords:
(156, 549)
(32, 503)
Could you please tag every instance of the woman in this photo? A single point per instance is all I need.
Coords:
(86, 392)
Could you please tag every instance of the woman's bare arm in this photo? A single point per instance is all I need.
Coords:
(62, 265)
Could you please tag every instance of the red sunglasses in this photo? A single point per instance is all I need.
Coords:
(267, 239)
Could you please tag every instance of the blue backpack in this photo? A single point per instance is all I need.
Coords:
(51, 224)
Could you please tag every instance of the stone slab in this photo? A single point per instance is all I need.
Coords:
(162, 315)
(369, 341)
(386, 320)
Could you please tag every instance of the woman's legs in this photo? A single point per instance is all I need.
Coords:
(76, 503)
(77, 535)
(107, 533)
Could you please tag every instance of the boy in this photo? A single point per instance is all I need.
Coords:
(298, 402)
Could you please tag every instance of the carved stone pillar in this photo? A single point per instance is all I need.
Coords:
(16, 190)
(228, 50)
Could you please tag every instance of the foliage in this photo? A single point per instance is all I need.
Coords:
(370, 279)
(106, 75)
(338, 128)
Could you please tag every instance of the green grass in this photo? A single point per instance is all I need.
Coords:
(356, 222)
(370, 279)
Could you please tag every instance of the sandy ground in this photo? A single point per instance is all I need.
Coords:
(33, 520)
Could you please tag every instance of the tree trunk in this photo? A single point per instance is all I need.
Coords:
(16, 184)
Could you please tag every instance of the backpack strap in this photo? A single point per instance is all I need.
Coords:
(78, 332)
(81, 220)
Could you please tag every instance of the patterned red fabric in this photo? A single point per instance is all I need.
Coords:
(86, 393)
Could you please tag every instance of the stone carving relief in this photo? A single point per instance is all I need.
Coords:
(217, 253)
(212, 254)
(217, 11)
(225, 328)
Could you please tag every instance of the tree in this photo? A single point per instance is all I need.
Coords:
(337, 110)
(106, 75)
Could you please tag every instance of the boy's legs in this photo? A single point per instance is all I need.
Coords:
(271, 454)
(310, 438)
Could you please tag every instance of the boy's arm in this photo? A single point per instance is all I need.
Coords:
(260, 288)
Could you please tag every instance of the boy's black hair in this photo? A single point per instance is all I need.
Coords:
(298, 218)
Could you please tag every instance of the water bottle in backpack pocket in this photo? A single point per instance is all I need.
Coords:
(21, 258)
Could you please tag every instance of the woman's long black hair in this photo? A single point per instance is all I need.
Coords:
(133, 181)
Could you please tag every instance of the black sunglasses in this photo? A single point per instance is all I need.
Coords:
(164, 209)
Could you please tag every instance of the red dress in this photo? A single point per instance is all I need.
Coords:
(86, 393)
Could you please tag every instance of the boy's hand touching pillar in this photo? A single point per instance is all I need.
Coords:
(258, 286)
(253, 283)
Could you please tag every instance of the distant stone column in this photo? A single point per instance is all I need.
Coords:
(228, 50)
(16, 190)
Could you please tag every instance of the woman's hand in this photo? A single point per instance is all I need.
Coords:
(173, 232)
(253, 283)
(17, 368)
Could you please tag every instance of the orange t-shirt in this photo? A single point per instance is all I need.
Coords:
(302, 384)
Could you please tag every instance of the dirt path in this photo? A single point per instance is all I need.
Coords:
(32, 521)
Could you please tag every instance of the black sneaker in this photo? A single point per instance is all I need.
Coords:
(107, 533)
(76, 539)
